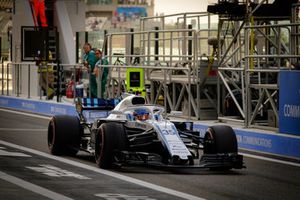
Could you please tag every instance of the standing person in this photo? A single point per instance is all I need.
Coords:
(101, 71)
(38, 12)
(89, 62)
(46, 79)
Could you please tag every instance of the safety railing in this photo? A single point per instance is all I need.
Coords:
(168, 49)
(27, 80)
(27, 76)
(117, 81)
(6, 78)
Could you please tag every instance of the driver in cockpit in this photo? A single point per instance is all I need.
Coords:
(141, 114)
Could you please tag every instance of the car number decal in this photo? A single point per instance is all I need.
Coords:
(172, 140)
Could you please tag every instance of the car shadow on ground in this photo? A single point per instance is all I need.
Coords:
(148, 169)
(185, 171)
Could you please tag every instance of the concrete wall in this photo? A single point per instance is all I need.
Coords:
(22, 17)
(69, 17)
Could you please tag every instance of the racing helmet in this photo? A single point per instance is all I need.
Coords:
(141, 114)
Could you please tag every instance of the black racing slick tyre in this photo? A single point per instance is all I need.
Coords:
(64, 135)
(110, 140)
(220, 140)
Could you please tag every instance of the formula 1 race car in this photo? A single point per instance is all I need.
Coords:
(128, 131)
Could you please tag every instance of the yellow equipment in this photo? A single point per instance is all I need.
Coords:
(135, 81)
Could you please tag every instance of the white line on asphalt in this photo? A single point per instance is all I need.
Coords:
(24, 129)
(271, 159)
(32, 187)
(3, 152)
(24, 113)
(106, 172)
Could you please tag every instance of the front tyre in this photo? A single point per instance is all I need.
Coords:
(110, 140)
(64, 135)
(220, 149)
(220, 139)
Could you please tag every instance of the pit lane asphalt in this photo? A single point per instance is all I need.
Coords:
(261, 180)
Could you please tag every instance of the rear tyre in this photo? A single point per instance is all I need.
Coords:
(110, 140)
(220, 139)
(64, 135)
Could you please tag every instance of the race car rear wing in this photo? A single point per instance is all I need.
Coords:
(90, 109)
(95, 104)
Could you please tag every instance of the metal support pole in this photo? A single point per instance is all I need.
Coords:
(7, 79)
(174, 95)
(196, 69)
(105, 50)
(128, 50)
(131, 44)
(2, 77)
(190, 42)
(171, 49)
(28, 81)
(279, 47)
(209, 30)
(18, 80)
(218, 78)
(156, 43)
(152, 92)
(47, 82)
(77, 47)
(90, 78)
(163, 35)
(110, 70)
(58, 82)
(99, 87)
(74, 95)
(247, 80)
(148, 48)
(184, 38)
(189, 93)
(40, 80)
(165, 91)
(86, 37)
(171, 64)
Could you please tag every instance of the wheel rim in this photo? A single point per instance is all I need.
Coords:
(51, 134)
(209, 142)
(99, 145)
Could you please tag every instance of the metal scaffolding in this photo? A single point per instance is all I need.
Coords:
(253, 51)
(246, 52)
(177, 63)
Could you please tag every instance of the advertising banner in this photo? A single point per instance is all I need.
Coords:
(273, 143)
(289, 102)
(35, 106)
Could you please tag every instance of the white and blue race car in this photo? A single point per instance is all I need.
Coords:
(137, 133)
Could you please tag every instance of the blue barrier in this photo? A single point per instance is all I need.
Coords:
(274, 143)
(289, 102)
(280, 144)
(35, 106)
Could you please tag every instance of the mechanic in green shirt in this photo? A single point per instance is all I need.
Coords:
(101, 71)
(89, 62)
